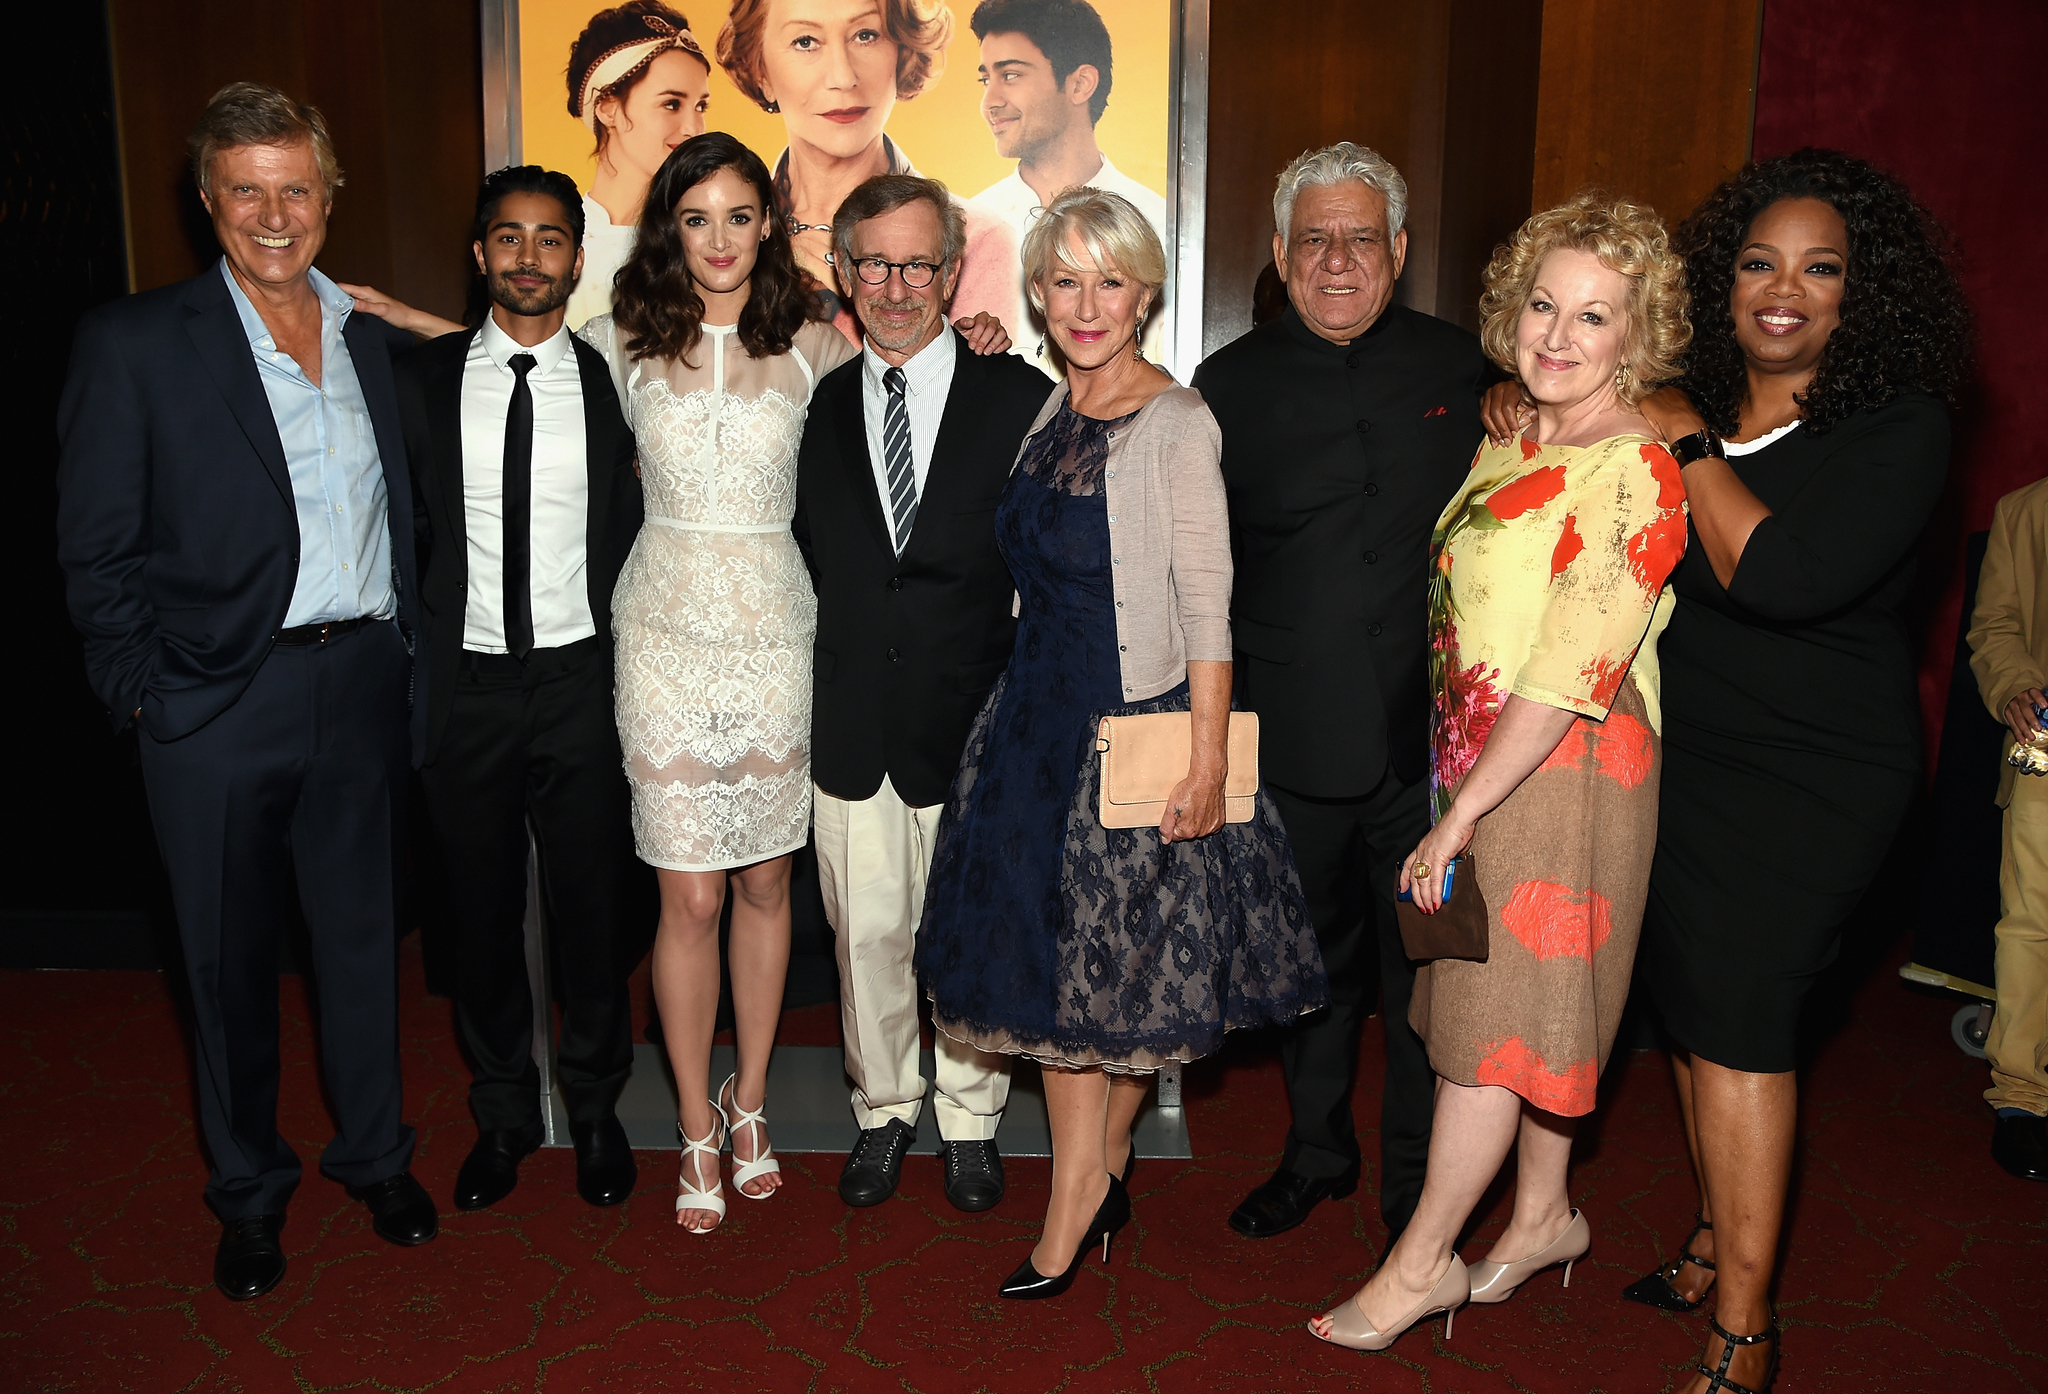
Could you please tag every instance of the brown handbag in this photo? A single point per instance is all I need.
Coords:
(1457, 929)
(1143, 757)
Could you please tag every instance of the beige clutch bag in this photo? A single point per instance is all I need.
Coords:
(1143, 757)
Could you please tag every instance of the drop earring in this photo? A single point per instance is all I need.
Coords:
(1040, 354)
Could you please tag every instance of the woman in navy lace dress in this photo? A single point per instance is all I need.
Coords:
(1105, 953)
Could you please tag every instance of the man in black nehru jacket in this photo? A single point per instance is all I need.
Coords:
(1347, 423)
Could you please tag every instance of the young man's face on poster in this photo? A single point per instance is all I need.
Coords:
(1026, 108)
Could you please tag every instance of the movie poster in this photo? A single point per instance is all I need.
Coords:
(829, 92)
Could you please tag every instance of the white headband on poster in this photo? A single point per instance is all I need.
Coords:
(619, 61)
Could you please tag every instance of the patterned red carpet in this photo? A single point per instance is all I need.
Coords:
(1914, 1263)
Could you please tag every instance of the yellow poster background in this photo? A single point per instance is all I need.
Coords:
(941, 129)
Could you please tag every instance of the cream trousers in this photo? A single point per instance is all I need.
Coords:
(873, 856)
(2018, 1041)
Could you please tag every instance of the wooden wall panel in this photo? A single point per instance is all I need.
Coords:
(1446, 89)
(1649, 98)
(400, 85)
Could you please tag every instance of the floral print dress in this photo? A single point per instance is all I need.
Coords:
(1547, 582)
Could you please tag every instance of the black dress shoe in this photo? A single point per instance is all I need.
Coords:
(869, 1176)
(974, 1174)
(401, 1211)
(2020, 1145)
(249, 1261)
(605, 1169)
(1285, 1201)
(491, 1169)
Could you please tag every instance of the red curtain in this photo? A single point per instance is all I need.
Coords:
(1952, 98)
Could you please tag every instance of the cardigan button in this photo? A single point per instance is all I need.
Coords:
(1112, 474)
(1371, 629)
(1112, 517)
(1121, 649)
(894, 656)
(1372, 489)
(895, 583)
(1371, 557)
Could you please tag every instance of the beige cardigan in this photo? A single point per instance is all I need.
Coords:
(2009, 630)
(1169, 539)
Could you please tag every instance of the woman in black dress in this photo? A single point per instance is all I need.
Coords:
(1791, 735)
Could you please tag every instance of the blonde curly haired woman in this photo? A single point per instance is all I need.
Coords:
(1546, 599)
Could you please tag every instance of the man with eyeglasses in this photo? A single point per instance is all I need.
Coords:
(905, 453)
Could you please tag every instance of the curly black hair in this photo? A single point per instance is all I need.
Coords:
(1904, 322)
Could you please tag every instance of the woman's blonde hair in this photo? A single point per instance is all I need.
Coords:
(1629, 239)
(921, 29)
(1109, 227)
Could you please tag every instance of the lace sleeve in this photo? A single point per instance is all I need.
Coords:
(824, 347)
(602, 334)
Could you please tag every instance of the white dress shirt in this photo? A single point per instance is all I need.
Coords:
(561, 490)
(927, 379)
(1016, 203)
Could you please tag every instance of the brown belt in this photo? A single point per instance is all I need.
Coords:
(320, 633)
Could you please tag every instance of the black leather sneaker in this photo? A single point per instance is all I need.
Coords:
(974, 1174)
(871, 1170)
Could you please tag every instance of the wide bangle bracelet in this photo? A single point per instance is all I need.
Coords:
(1700, 445)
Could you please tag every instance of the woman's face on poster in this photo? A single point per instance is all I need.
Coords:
(830, 66)
(664, 108)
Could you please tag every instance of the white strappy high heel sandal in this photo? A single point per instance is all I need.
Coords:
(691, 1196)
(737, 1118)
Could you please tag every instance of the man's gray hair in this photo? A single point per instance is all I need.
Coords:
(885, 193)
(248, 113)
(1333, 164)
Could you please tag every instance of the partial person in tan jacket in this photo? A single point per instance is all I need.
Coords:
(2009, 654)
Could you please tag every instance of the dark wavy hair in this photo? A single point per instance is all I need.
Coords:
(655, 303)
(1904, 323)
(527, 179)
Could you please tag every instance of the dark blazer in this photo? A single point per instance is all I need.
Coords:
(908, 649)
(430, 405)
(175, 523)
(1338, 459)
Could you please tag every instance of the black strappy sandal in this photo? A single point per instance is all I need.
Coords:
(1655, 1289)
(1717, 1380)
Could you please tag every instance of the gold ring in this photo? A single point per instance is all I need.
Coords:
(1421, 869)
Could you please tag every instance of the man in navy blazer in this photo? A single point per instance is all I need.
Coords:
(235, 526)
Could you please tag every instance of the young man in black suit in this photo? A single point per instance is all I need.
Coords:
(527, 507)
(1347, 423)
(904, 455)
(234, 521)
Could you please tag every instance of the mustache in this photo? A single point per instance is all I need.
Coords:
(505, 277)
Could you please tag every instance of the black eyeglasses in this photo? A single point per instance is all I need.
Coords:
(875, 271)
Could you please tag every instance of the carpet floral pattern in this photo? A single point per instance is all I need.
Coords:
(1914, 1263)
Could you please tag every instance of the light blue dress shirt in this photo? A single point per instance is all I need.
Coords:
(330, 449)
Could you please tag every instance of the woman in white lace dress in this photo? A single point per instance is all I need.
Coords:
(714, 616)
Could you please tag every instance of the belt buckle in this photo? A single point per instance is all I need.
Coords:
(324, 626)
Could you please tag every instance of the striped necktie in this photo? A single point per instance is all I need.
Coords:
(896, 453)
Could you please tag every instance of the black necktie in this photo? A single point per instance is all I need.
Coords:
(519, 511)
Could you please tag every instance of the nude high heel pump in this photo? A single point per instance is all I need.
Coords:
(1496, 1282)
(1348, 1326)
